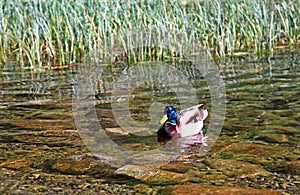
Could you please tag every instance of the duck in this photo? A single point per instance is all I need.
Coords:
(184, 123)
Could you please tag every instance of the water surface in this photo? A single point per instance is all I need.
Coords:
(41, 150)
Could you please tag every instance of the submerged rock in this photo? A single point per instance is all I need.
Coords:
(81, 164)
(117, 131)
(179, 167)
(258, 151)
(150, 175)
(16, 164)
(234, 168)
(195, 189)
(51, 138)
(292, 167)
(272, 137)
(42, 124)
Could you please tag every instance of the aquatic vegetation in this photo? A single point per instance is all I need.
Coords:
(44, 32)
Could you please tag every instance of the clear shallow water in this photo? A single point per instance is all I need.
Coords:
(263, 96)
(39, 139)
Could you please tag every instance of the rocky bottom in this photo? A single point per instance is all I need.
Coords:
(30, 163)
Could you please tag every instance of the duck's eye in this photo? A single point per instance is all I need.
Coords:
(168, 110)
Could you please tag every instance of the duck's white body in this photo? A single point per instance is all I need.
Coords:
(190, 120)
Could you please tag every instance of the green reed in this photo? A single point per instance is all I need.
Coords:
(42, 33)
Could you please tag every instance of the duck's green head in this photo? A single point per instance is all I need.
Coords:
(171, 114)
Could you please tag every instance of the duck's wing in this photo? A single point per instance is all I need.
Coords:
(190, 120)
(192, 114)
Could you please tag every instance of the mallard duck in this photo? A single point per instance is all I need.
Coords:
(184, 123)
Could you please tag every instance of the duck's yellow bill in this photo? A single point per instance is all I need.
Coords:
(163, 119)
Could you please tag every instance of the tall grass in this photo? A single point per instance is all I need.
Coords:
(46, 32)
